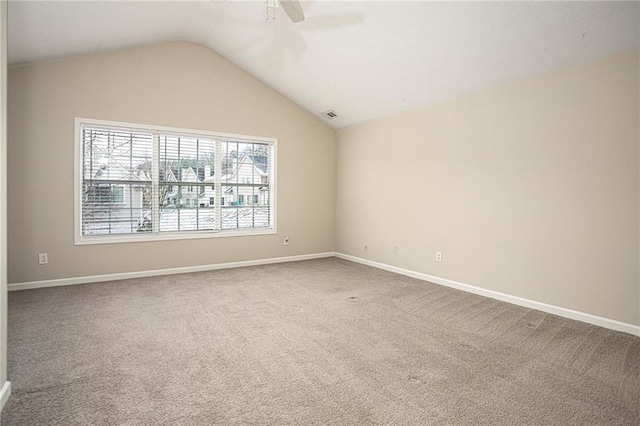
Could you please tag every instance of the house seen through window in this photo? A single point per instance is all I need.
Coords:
(141, 182)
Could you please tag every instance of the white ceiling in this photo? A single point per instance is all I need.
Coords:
(362, 59)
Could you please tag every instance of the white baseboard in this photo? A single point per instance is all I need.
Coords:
(157, 272)
(5, 393)
(556, 310)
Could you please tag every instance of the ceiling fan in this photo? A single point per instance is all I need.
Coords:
(292, 8)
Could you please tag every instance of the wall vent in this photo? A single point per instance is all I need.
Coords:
(329, 114)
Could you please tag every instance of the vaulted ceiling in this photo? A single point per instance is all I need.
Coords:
(362, 59)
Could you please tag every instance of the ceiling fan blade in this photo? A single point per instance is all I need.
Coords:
(293, 9)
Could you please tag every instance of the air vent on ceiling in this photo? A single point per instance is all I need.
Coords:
(329, 114)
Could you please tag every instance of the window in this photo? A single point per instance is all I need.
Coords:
(137, 182)
(117, 194)
(105, 194)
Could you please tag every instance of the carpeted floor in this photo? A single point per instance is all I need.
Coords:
(317, 342)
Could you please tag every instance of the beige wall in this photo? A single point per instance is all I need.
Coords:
(178, 85)
(529, 189)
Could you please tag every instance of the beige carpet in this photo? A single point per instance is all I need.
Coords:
(316, 342)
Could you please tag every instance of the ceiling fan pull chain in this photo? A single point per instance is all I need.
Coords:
(270, 4)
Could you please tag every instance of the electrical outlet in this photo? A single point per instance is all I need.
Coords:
(366, 247)
(438, 256)
(43, 258)
(394, 248)
(286, 240)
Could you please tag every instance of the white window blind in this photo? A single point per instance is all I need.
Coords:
(115, 178)
(141, 183)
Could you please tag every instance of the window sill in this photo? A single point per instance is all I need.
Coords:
(139, 238)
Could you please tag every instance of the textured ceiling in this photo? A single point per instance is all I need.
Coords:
(362, 59)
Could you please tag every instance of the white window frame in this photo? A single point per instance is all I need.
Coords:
(180, 235)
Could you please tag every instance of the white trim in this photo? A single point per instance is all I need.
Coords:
(157, 272)
(153, 128)
(77, 202)
(6, 387)
(556, 310)
(169, 236)
(5, 393)
(273, 187)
